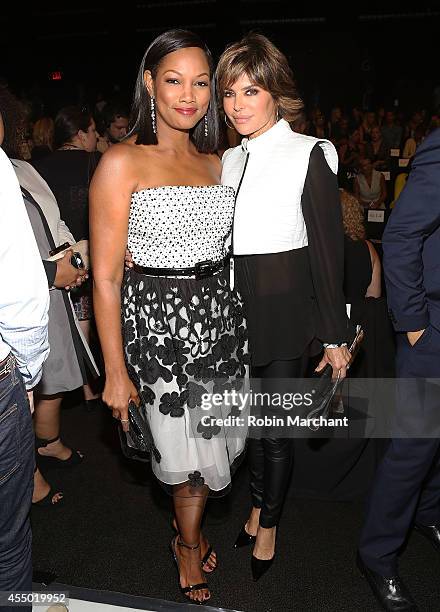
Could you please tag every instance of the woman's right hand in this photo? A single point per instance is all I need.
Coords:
(118, 392)
(128, 259)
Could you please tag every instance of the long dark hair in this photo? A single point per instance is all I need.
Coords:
(69, 121)
(140, 120)
(14, 123)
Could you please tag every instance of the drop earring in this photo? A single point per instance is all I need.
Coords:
(153, 115)
(206, 125)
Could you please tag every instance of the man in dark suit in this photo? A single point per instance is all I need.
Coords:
(406, 491)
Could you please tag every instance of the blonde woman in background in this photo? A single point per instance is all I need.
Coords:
(369, 185)
(42, 137)
(362, 268)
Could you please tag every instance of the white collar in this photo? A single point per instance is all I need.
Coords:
(268, 137)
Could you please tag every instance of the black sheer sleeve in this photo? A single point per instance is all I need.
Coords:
(50, 267)
(323, 218)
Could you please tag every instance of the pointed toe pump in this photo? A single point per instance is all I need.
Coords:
(244, 538)
(260, 566)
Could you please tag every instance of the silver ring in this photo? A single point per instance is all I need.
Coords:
(124, 420)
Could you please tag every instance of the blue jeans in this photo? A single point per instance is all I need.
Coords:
(17, 461)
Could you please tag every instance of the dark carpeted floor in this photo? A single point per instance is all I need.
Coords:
(113, 531)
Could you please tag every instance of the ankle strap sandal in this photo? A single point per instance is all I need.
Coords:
(192, 587)
(45, 460)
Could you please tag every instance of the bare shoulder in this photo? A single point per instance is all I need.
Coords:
(215, 163)
(115, 175)
(119, 155)
(118, 165)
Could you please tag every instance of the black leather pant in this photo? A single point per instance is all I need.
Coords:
(270, 460)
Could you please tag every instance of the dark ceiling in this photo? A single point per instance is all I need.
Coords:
(339, 52)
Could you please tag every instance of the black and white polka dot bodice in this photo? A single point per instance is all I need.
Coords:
(181, 225)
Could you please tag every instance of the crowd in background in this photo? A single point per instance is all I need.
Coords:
(375, 146)
(65, 151)
(61, 154)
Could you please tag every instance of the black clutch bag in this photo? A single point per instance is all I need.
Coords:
(326, 387)
(137, 442)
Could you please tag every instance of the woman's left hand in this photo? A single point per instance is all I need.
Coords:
(338, 358)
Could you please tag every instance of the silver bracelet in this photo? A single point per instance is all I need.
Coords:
(326, 345)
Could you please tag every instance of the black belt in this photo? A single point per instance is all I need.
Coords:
(203, 269)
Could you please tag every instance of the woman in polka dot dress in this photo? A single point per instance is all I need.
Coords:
(183, 333)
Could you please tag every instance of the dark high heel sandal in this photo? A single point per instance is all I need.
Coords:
(205, 557)
(192, 587)
(44, 460)
(48, 500)
(244, 538)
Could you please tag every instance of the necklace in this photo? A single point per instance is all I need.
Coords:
(67, 146)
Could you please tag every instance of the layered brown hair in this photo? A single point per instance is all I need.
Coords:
(352, 216)
(43, 132)
(265, 65)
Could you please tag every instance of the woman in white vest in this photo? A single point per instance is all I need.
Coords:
(369, 185)
(288, 245)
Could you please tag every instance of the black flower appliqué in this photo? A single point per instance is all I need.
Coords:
(196, 479)
(171, 403)
(148, 395)
(208, 431)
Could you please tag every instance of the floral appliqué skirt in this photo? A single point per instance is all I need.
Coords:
(185, 340)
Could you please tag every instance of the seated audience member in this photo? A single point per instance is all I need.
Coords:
(362, 283)
(377, 150)
(380, 116)
(369, 185)
(42, 138)
(114, 126)
(334, 125)
(368, 123)
(350, 151)
(300, 125)
(410, 128)
(391, 132)
(343, 131)
(318, 126)
(411, 144)
(362, 276)
(356, 117)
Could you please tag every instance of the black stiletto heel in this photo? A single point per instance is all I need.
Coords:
(192, 587)
(260, 566)
(244, 538)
